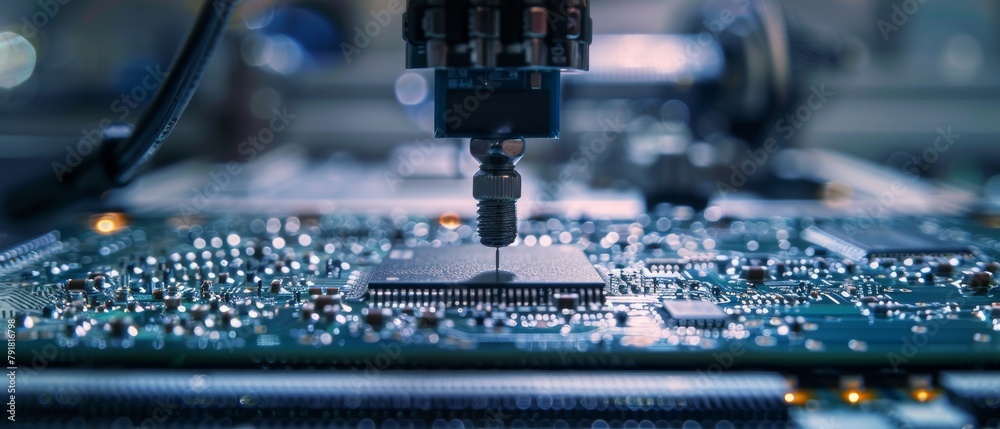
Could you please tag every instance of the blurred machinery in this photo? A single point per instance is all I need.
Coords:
(684, 89)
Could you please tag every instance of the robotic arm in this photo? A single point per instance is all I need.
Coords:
(497, 81)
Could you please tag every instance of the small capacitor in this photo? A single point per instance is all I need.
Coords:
(755, 274)
(376, 317)
(567, 301)
(329, 314)
(980, 282)
(430, 318)
(993, 267)
(172, 302)
(307, 310)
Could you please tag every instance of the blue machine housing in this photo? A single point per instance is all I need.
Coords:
(496, 103)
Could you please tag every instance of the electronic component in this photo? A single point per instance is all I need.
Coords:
(754, 273)
(458, 276)
(980, 281)
(24, 300)
(877, 242)
(841, 418)
(693, 312)
(976, 392)
(931, 415)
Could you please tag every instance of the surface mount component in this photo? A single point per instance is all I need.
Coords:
(877, 242)
(690, 312)
(976, 392)
(462, 276)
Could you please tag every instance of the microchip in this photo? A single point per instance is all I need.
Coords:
(21, 300)
(465, 275)
(693, 312)
(879, 243)
(933, 414)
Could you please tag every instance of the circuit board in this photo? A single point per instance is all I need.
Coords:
(832, 315)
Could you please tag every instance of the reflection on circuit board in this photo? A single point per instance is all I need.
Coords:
(668, 291)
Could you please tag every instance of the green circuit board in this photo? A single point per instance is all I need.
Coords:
(817, 300)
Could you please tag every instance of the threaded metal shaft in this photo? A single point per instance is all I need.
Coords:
(497, 222)
(497, 187)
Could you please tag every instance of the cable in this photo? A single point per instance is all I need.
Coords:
(123, 154)
(175, 94)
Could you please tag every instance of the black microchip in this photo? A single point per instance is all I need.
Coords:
(877, 243)
(465, 275)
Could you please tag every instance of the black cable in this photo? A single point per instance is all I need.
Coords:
(129, 158)
(123, 155)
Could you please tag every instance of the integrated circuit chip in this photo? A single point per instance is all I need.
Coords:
(465, 275)
(693, 312)
(877, 243)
